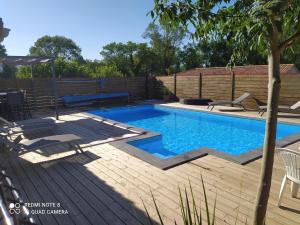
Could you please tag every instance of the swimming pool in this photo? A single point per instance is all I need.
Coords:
(182, 130)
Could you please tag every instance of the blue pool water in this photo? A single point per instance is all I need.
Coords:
(185, 130)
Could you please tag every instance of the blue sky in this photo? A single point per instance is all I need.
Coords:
(90, 23)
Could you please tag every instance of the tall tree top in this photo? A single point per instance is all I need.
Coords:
(3, 31)
(56, 46)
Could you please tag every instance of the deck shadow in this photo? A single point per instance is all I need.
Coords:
(92, 132)
(296, 116)
(79, 185)
(289, 209)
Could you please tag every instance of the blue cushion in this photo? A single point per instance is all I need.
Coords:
(81, 98)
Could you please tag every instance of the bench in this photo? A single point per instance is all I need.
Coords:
(81, 100)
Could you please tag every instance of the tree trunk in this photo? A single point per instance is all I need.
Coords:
(270, 137)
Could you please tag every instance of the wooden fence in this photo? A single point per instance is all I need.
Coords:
(41, 95)
(228, 87)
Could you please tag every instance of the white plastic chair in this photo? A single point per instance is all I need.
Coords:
(291, 160)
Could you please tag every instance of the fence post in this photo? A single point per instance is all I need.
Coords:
(33, 92)
(175, 85)
(147, 86)
(232, 85)
(16, 83)
(200, 85)
(127, 89)
(54, 87)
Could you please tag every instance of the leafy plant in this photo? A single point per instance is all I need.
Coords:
(166, 91)
(189, 212)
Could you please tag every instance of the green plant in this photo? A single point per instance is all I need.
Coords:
(189, 212)
(166, 91)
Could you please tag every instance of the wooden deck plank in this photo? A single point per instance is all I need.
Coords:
(70, 192)
(109, 197)
(165, 193)
(127, 186)
(74, 213)
(41, 185)
(175, 195)
(30, 189)
(10, 170)
(99, 208)
(103, 197)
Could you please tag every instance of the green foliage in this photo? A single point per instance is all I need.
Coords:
(106, 71)
(2, 50)
(191, 213)
(7, 71)
(69, 69)
(165, 91)
(131, 59)
(191, 56)
(249, 25)
(56, 46)
(292, 55)
(214, 52)
(165, 43)
(23, 72)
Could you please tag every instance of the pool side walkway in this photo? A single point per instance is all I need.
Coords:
(106, 185)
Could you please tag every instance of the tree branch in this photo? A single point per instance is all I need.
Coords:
(290, 41)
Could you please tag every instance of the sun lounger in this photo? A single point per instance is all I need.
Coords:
(29, 128)
(286, 108)
(32, 122)
(21, 145)
(44, 142)
(238, 101)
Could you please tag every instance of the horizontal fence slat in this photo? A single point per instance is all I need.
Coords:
(219, 87)
(40, 94)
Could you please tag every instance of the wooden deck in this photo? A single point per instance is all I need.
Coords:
(106, 186)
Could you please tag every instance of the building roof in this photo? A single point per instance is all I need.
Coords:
(240, 70)
(24, 60)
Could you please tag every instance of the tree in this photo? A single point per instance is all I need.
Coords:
(216, 51)
(292, 55)
(273, 25)
(65, 51)
(3, 31)
(213, 52)
(106, 71)
(165, 43)
(2, 50)
(56, 46)
(99, 69)
(5, 71)
(191, 56)
(131, 59)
